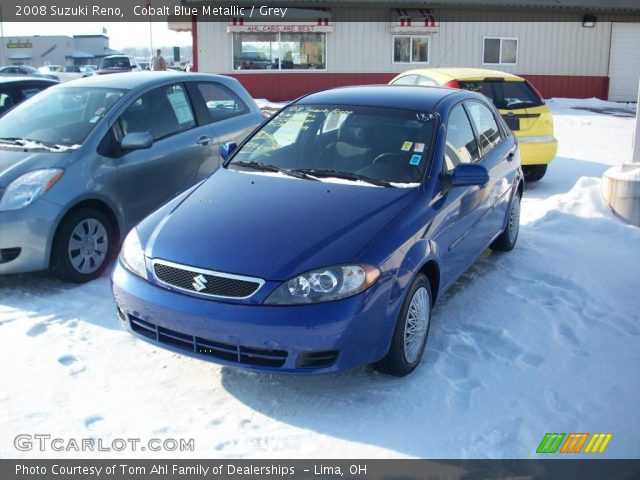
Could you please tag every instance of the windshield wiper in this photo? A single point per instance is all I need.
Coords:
(328, 173)
(22, 142)
(12, 141)
(266, 167)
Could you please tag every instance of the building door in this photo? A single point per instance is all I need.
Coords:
(624, 64)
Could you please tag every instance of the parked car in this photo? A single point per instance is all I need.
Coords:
(117, 64)
(15, 90)
(73, 72)
(50, 69)
(325, 239)
(84, 161)
(26, 70)
(520, 104)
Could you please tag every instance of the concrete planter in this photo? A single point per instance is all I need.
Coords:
(621, 189)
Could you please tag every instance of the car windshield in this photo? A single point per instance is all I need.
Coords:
(369, 145)
(116, 62)
(57, 118)
(505, 95)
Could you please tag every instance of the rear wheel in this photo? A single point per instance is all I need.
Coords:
(533, 173)
(82, 246)
(411, 331)
(507, 239)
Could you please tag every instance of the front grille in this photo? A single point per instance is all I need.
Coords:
(205, 282)
(262, 357)
(8, 254)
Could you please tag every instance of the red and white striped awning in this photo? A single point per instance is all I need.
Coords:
(300, 20)
(413, 21)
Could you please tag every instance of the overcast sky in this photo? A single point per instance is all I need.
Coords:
(121, 35)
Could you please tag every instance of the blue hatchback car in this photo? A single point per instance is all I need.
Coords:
(325, 239)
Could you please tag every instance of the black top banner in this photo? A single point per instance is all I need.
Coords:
(288, 11)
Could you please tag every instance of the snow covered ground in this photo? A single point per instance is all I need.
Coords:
(543, 339)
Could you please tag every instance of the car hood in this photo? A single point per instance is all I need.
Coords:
(15, 162)
(273, 227)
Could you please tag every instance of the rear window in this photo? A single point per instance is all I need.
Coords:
(116, 62)
(505, 95)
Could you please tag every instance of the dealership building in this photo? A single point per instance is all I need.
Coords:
(39, 50)
(567, 48)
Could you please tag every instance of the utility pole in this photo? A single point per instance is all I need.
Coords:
(636, 137)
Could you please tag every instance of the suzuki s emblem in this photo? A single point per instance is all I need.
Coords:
(199, 283)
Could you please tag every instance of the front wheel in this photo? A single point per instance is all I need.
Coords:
(411, 331)
(82, 246)
(507, 239)
(533, 173)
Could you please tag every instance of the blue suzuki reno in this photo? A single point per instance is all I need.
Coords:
(325, 239)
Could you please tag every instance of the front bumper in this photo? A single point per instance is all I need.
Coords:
(28, 231)
(309, 339)
(537, 150)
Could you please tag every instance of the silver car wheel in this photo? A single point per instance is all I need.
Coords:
(416, 325)
(88, 246)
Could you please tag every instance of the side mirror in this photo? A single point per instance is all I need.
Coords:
(226, 149)
(136, 141)
(470, 174)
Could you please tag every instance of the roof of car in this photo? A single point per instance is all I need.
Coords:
(462, 73)
(26, 79)
(131, 80)
(390, 96)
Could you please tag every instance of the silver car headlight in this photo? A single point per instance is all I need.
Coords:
(132, 254)
(324, 285)
(26, 188)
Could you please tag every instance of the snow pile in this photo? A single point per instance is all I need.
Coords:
(543, 339)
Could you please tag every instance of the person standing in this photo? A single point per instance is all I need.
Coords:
(157, 62)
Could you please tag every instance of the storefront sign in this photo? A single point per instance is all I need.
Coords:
(26, 44)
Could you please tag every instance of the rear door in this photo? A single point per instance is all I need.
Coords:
(228, 116)
(497, 156)
(150, 177)
(460, 207)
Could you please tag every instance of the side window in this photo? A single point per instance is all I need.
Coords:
(426, 81)
(6, 101)
(406, 80)
(162, 112)
(461, 146)
(30, 91)
(221, 102)
(485, 124)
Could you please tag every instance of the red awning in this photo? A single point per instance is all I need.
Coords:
(407, 21)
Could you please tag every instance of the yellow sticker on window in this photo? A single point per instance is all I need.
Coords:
(406, 146)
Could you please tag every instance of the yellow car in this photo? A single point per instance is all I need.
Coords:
(519, 103)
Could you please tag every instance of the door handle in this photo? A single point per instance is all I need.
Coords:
(510, 155)
(204, 140)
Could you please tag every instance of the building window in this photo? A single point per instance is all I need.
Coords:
(500, 51)
(279, 51)
(408, 49)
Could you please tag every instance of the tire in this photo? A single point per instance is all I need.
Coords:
(507, 239)
(93, 234)
(404, 356)
(533, 173)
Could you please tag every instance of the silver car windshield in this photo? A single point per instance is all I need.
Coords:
(59, 117)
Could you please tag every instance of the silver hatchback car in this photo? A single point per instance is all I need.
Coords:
(82, 162)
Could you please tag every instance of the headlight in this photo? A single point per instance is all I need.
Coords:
(26, 188)
(324, 285)
(132, 254)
